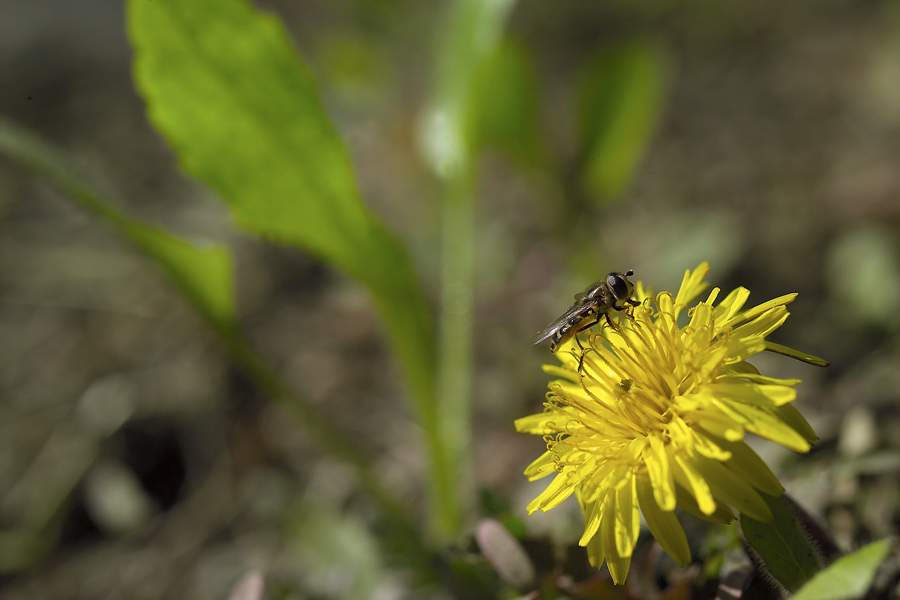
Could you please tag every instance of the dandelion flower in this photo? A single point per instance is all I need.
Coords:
(649, 415)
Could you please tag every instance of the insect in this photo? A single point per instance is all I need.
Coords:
(611, 293)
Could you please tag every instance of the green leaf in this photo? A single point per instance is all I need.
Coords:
(503, 107)
(204, 273)
(782, 546)
(619, 106)
(224, 86)
(848, 577)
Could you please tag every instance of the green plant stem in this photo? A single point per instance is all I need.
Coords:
(470, 30)
(30, 152)
(455, 347)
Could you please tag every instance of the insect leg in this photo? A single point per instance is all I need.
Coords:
(581, 360)
(578, 341)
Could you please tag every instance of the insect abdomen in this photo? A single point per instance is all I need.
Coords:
(563, 332)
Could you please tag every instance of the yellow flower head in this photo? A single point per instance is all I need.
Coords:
(648, 415)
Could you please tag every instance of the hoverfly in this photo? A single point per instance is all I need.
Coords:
(611, 293)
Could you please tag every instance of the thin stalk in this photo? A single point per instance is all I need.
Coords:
(455, 343)
(469, 31)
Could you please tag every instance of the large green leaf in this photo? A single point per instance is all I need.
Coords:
(223, 84)
(849, 577)
(619, 105)
(782, 545)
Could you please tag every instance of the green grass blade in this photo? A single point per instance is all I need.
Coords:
(619, 106)
(203, 272)
(503, 107)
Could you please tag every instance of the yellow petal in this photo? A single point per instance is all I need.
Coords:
(766, 425)
(729, 307)
(618, 568)
(710, 361)
(595, 487)
(740, 367)
(558, 490)
(537, 423)
(596, 555)
(591, 520)
(663, 524)
(731, 488)
(793, 419)
(751, 468)
(563, 372)
(762, 308)
(713, 420)
(691, 286)
(754, 393)
(703, 313)
(628, 518)
(618, 565)
(543, 466)
(688, 504)
(657, 461)
(740, 349)
(755, 378)
(708, 447)
(762, 325)
(687, 476)
(640, 292)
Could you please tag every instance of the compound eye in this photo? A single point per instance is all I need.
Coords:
(618, 285)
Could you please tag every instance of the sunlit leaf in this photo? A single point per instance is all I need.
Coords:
(223, 84)
(619, 107)
(849, 577)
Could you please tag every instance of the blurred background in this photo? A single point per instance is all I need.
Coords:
(138, 461)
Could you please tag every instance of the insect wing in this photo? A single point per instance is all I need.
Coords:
(576, 309)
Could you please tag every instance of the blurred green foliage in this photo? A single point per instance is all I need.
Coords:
(503, 108)
(619, 107)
